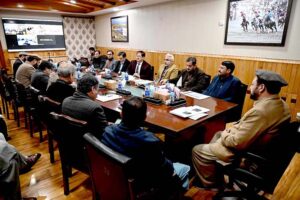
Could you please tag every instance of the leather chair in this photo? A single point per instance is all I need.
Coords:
(236, 113)
(114, 176)
(260, 170)
(68, 132)
(46, 106)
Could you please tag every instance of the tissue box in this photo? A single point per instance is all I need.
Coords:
(110, 84)
(161, 94)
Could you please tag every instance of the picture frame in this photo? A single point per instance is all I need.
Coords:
(119, 29)
(257, 23)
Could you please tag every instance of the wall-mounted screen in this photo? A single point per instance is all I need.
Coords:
(34, 35)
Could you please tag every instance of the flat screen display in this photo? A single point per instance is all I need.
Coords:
(34, 35)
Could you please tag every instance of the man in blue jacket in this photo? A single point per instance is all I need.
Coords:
(224, 86)
(130, 139)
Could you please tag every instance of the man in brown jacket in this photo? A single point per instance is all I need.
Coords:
(168, 70)
(267, 114)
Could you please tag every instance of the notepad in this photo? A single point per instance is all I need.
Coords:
(193, 112)
(195, 95)
(108, 97)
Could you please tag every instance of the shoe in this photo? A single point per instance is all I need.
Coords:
(31, 160)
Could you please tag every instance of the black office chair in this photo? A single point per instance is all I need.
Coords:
(260, 169)
(113, 176)
(68, 132)
(236, 113)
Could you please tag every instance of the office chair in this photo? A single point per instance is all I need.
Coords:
(113, 176)
(260, 170)
(68, 132)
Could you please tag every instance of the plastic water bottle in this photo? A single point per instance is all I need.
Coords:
(147, 91)
(126, 77)
(119, 85)
(172, 97)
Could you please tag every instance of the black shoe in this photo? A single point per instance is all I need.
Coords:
(31, 160)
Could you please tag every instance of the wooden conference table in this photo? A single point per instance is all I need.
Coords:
(159, 116)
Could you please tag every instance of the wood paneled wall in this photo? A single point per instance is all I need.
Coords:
(245, 70)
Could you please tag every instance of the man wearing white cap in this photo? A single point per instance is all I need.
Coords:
(19, 61)
(255, 129)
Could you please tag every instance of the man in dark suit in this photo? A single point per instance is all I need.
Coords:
(82, 105)
(99, 60)
(122, 64)
(140, 68)
(40, 77)
(19, 61)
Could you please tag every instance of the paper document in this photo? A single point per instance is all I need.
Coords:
(142, 82)
(195, 95)
(193, 112)
(108, 97)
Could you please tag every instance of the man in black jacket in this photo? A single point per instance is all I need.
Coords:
(82, 105)
(122, 64)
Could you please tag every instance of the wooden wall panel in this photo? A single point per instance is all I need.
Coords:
(245, 70)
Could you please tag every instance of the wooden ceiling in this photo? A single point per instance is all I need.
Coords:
(70, 6)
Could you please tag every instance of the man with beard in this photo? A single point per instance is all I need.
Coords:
(168, 70)
(254, 130)
(19, 61)
(110, 60)
(224, 85)
(25, 71)
(193, 78)
(99, 60)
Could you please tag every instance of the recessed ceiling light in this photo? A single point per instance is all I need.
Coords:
(19, 5)
(116, 9)
(73, 1)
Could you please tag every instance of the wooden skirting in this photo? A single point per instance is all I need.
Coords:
(245, 70)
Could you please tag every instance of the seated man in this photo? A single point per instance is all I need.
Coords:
(110, 60)
(122, 64)
(82, 105)
(254, 130)
(62, 88)
(140, 68)
(192, 78)
(224, 85)
(24, 72)
(99, 60)
(12, 163)
(40, 77)
(168, 70)
(19, 61)
(130, 139)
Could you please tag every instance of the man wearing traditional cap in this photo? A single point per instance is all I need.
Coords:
(267, 115)
(224, 85)
(25, 70)
(19, 61)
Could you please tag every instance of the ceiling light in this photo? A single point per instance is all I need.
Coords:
(73, 1)
(19, 5)
(116, 9)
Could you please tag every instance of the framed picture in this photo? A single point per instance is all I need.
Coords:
(260, 23)
(119, 29)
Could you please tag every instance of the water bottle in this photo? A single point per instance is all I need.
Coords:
(126, 77)
(172, 97)
(147, 91)
(119, 85)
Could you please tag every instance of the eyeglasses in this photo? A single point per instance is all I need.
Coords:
(109, 54)
(167, 60)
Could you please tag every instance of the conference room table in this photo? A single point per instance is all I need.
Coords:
(160, 119)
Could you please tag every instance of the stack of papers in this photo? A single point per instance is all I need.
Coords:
(192, 112)
(108, 97)
(195, 95)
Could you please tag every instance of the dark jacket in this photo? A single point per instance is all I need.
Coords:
(80, 106)
(143, 147)
(16, 66)
(99, 62)
(226, 88)
(117, 65)
(145, 73)
(59, 90)
(39, 80)
(197, 82)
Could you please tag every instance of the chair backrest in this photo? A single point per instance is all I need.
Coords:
(207, 81)
(239, 99)
(107, 170)
(267, 164)
(152, 72)
(68, 132)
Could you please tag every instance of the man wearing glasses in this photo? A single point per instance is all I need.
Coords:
(167, 71)
(110, 60)
(139, 68)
